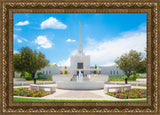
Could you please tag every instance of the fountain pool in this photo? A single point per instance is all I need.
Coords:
(80, 84)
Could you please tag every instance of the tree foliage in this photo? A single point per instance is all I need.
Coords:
(95, 67)
(141, 67)
(65, 72)
(131, 62)
(29, 61)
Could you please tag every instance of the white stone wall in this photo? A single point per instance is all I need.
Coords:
(85, 59)
(105, 70)
(66, 77)
(111, 70)
(98, 77)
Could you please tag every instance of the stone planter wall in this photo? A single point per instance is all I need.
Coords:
(141, 80)
(18, 79)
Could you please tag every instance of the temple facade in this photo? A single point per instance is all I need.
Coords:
(80, 60)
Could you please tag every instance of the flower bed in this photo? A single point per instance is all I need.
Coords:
(130, 94)
(28, 93)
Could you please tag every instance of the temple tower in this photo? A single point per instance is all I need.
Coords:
(80, 61)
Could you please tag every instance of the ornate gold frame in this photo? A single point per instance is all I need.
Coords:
(8, 7)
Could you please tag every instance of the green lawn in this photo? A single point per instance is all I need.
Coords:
(45, 100)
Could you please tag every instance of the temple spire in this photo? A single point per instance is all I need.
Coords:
(80, 34)
(80, 48)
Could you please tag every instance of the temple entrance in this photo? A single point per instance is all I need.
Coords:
(80, 66)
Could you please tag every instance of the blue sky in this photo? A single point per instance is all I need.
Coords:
(104, 36)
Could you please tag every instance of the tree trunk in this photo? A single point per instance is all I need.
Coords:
(33, 76)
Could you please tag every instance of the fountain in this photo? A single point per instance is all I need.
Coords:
(80, 76)
(80, 84)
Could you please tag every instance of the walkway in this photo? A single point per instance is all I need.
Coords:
(61, 94)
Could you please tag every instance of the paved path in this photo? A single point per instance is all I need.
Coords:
(61, 94)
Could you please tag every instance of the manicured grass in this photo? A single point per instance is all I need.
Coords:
(45, 100)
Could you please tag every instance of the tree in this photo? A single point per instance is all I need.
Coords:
(95, 67)
(130, 62)
(65, 72)
(29, 61)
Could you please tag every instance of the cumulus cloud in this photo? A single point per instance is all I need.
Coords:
(43, 42)
(19, 41)
(70, 40)
(22, 23)
(53, 23)
(104, 53)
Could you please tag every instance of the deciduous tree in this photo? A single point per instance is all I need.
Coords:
(29, 61)
(131, 62)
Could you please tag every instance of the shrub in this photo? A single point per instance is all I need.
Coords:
(38, 74)
(65, 72)
(26, 75)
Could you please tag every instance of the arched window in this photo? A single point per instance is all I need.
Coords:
(117, 72)
(46, 72)
(113, 72)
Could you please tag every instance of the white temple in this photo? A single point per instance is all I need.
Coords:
(80, 60)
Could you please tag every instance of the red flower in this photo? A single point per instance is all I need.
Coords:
(139, 94)
(122, 95)
(32, 94)
(133, 95)
(117, 94)
(25, 95)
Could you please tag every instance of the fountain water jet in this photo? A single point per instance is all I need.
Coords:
(80, 76)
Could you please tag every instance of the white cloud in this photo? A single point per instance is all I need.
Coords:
(106, 52)
(22, 23)
(16, 52)
(64, 62)
(53, 23)
(43, 42)
(19, 41)
(24, 39)
(69, 40)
